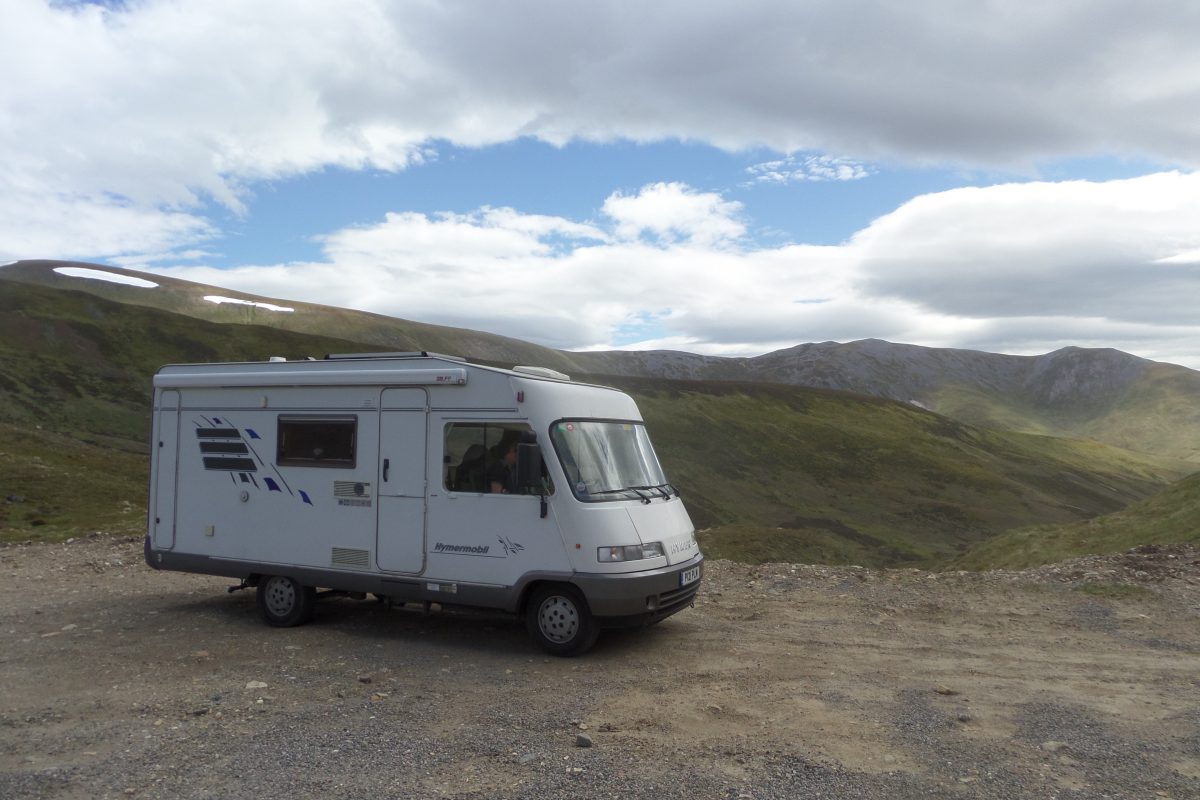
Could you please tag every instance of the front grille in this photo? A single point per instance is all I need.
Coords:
(664, 605)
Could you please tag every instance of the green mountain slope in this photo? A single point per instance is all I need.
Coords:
(78, 364)
(787, 473)
(75, 388)
(373, 332)
(1154, 411)
(771, 471)
(1171, 516)
(53, 486)
(1101, 394)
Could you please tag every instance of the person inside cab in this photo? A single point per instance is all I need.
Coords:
(503, 464)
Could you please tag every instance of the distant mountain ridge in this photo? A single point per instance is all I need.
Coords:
(1103, 394)
(904, 372)
(771, 471)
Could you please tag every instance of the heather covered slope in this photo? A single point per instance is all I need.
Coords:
(782, 473)
(1169, 517)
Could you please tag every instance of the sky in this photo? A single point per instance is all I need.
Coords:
(726, 178)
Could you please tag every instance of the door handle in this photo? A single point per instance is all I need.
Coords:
(387, 464)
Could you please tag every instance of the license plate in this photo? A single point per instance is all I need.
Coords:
(689, 576)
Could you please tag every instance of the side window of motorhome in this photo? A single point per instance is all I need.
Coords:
(314, 441)
(481, 456)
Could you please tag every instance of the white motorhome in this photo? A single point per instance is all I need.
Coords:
(421, 479)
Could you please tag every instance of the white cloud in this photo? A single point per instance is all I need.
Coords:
(67, 226)
(818, 168)
(1080, 249)
(161, 103)
(120, 124)
(1022, 268)
(1186, 257)
(142, 259)
(673, 212)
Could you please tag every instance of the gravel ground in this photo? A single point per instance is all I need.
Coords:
(1080, 680)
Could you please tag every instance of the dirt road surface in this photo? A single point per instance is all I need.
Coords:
(785, 681)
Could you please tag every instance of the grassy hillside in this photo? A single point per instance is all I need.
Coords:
(1170, 516)
(1096, 393)
(1163, 407)
(54, 486)
(78, 364)
(75, 387)
(787, 473)
(1157, 414)
(373, 332)
(1105, 395)
(774, 472)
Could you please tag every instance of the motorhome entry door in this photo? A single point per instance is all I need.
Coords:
(400, 537)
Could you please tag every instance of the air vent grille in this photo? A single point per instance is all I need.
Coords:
(349, 557)
(351, 489)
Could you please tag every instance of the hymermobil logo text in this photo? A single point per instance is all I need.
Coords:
(462, 549)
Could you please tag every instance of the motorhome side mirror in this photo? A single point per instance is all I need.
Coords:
(529, 466)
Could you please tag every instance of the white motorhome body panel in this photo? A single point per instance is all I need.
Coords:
(483, 537)
(667, 522)
(400, 536)
(587, 526)
(236, 502)
(384, 515)
(548, 401)
(311, 377)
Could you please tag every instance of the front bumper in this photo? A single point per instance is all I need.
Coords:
(641, 598)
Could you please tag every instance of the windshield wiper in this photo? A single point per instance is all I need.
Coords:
(634, 489)
(661, 488)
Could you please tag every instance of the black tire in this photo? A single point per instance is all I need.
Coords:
(284, 602)
(559, 620)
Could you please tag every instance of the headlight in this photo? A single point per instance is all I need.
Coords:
(633, 552)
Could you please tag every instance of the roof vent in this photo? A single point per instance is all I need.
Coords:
(543, 372)
(274, 359)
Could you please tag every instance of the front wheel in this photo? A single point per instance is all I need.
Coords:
(557, 618)
(284, 602)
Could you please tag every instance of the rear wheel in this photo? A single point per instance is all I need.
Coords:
(284, 602)
(557, 618)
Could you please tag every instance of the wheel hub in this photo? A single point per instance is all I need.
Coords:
(558, 619)
(281, 596)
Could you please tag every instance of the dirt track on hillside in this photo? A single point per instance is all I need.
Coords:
(784, 681)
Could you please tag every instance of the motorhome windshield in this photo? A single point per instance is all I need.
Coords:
(607, 461)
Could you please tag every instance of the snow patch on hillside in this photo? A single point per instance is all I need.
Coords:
(214, 298)
(101, 275)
